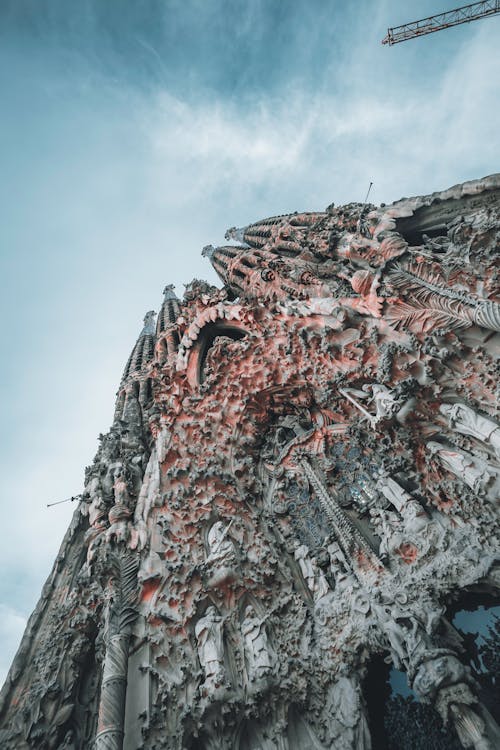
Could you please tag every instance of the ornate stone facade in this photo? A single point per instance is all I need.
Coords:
(302, 472)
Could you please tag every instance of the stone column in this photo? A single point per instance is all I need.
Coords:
(113, 692)
(123, 611)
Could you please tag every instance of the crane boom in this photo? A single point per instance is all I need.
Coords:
(465, 14)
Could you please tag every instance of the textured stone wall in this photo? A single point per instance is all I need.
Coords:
(302, 473)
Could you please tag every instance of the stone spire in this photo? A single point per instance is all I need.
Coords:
(283, 235)
(167, 330)
(221, 258)
(258, 273)
(143, 351)
(169, 311)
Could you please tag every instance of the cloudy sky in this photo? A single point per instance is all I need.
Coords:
(132, 134)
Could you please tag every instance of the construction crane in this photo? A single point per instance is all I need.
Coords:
(465, 14)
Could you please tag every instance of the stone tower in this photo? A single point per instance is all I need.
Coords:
(302, 472)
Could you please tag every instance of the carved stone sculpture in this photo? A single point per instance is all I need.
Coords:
(466, 421)
(257, 655)
(479, 475)
(314, 577)
(210, 647)
(221, 559)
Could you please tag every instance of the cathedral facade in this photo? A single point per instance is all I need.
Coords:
(301, 477)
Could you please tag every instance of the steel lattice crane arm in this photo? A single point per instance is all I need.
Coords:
(465, 14)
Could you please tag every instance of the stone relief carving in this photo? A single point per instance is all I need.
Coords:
(209, 640)
(313, 576)
(256, 647)
(463, 419)
(479, 475)
(347, 714)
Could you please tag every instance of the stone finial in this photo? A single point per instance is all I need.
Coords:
(235, 233)
(169, 292)
(208, 252)
(149, 323)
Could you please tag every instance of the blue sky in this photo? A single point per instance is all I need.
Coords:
(134, 133)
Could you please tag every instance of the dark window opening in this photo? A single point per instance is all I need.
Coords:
(434, 219)
(476, 617)
(247, 263)
(396, 719)
(208, 335)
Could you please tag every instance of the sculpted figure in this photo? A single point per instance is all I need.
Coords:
(393, 491)
(97, 513)
(221, 547)
(388, 527)
(340, 569)
(147, 497)
(313, 576)
(412, 512)
(122, 496)
(119, 530)
(475, 472)
(404, 633)
(163, 440)
(256, 646)
(209, 638)
(119, 514)
(347, 715)
(434, 674)
(385, 402)
(466, 421)
(96, 508)
(221, 559)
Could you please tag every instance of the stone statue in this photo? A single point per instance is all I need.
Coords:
(412, 512)
(96, 506)
(389, 528)
(437, 672)
(221, 547)
(209, 639)
(256, 646)
(120, 513)
(346, 712)
(386, 403)
(221, 559)
(313, 576)
(479, 475)
(147, 497)
(393, 491)
(340, 569)
(406, 635)
(466, 421)
(98, 518)
(122, 496)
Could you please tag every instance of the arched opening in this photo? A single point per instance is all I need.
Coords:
(476, 617)
(205, 341)
(396, 718)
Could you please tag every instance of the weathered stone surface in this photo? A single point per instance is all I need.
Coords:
(302, 471)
